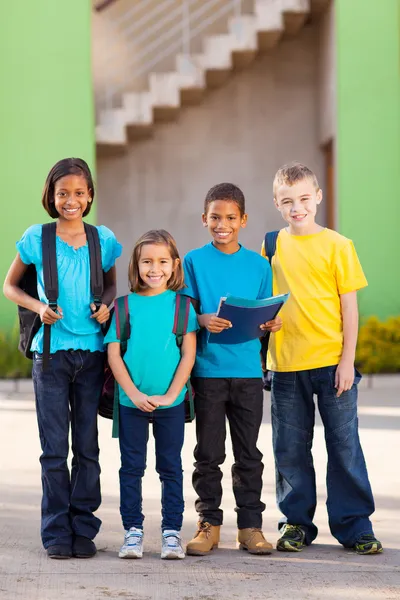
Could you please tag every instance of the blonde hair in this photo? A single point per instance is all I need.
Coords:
(293, 173)
(161, 238)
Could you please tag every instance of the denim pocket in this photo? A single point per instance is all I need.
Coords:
(348, 399)
(283, 389)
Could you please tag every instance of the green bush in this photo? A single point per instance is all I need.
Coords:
(13, 364)
(378, 349)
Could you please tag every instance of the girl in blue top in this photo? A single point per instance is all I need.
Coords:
(69, 389)
(152, 377)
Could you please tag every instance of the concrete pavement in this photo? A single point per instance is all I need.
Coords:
(324, 570)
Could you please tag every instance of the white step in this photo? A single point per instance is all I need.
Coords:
(112, 127)
(243, 30)
(269, 16)
(301, 6)
(218, 52)
(191, 75)
(138, 108)
(164, 89)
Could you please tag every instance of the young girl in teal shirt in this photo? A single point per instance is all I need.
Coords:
(152, 377)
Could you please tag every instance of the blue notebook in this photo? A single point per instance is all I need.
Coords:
(246, 317)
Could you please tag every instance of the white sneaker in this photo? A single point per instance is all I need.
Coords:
(133, 544)
(171, 545)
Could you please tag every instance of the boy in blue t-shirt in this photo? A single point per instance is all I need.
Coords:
(227, 377)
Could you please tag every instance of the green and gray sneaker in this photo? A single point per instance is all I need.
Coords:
(368, 544)
(292, 539)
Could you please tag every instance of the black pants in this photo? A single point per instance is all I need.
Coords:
(241, 400)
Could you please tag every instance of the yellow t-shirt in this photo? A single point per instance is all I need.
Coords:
(316, 269)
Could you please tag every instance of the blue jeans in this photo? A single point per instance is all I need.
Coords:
(350, 501)
(168, 431)
(69, 391)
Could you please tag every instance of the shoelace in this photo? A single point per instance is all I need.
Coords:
(133, 538)
(204, 528)
(172, 541)
(289, 529)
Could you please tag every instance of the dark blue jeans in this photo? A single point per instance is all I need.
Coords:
(69, 392)
(350, 501)
(168, 431)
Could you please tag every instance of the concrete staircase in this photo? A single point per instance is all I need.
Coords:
(247, 35)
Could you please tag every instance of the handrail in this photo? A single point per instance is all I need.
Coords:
(103, 5)
(171, 29)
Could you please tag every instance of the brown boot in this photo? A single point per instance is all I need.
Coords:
(253, 541)
(206, 538)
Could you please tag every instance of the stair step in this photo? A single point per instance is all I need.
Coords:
(295, 13)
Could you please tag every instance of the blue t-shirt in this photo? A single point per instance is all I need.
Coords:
(76, 330)
(152, 355)
(211, 274)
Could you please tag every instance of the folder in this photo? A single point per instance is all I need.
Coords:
(246, 317)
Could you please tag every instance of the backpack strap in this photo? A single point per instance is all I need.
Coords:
(50, 277)
(181, 320)
(123, 330)
(270, 244)
(122, 319)
(96, 269)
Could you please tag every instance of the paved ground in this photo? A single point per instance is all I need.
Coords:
(324, 570)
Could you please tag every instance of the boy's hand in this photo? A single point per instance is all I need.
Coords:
(212, 323)
(344, 377)
(272, 326)
(164, 400)
(48, 316)
(143, 402)
(102, 315)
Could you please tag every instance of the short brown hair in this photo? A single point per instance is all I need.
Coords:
(293, 173)
(228, 192)
(162, 238)
(64, 167)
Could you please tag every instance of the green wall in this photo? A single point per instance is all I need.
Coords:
(368, 144)
(46, 109)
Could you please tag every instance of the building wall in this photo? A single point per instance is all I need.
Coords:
(46, 109)
(243, 132)
(368, 144)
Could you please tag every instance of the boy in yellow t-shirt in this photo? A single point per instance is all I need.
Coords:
(313, 354)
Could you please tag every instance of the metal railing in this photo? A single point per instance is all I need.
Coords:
(103, 4)
(151, 34)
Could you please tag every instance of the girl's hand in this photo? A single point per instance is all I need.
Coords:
(143, 402)
(212, 323)
(102, 315)
(48, 316)
(164, 400)
(272, 326)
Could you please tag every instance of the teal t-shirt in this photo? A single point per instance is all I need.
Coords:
(152, 355)
(211, 274)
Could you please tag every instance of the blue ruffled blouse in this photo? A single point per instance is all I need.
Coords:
(76, 330)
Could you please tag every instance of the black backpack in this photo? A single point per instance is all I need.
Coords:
(270, 248)
(29, 321)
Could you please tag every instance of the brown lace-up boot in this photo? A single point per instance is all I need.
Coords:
(253, 540)
(205, 539)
